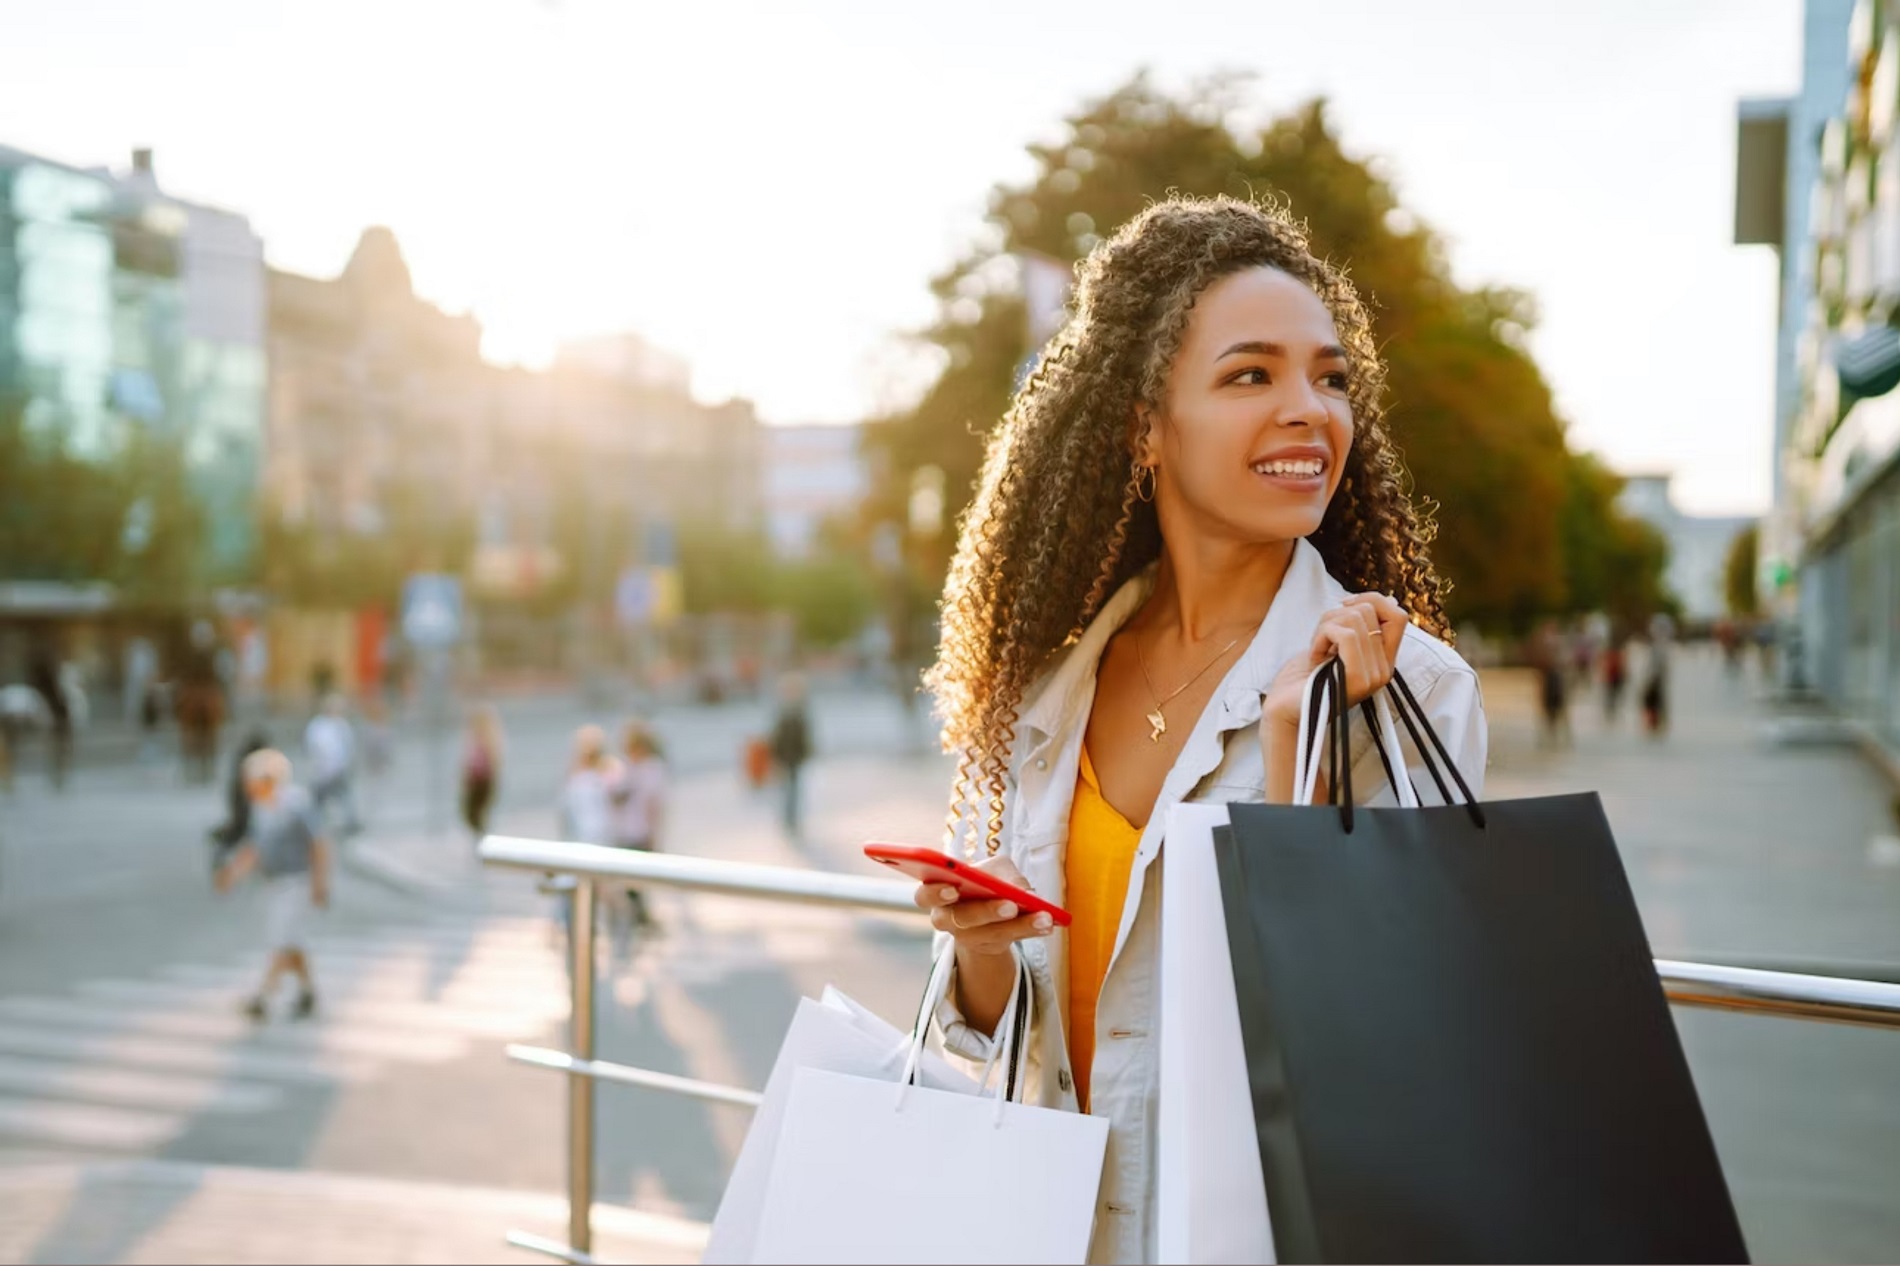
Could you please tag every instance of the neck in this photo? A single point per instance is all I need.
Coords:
(1211, 590)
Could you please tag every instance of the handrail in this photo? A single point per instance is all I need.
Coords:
(700, 874)
(1709, 985)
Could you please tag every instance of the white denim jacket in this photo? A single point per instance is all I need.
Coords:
(1222, 764)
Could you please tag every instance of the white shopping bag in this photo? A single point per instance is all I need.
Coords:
(836, 1034)
(1211, 1197)
(862, 1163)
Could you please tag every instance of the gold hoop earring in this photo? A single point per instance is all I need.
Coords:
(1149, 471)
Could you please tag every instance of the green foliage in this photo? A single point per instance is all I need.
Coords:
(831, 595)
(1612, 562)
(831, 598)
(1739, 571)
(1467, 405)
(724, 571)
(126, 517)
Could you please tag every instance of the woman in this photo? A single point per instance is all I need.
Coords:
(638, 794)
(481, 767)
(587, 794)
(1231, 515)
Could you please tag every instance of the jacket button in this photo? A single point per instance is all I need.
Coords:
(1064, 1080)
(1041, 763)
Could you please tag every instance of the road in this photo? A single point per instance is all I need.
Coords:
(119, 974)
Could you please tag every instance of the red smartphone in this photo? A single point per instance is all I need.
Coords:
(927, 865)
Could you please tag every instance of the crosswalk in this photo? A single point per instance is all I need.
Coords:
(128, 1063)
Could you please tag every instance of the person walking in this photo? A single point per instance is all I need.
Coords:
(285, 847)
(45, 677)
(329, 742)
(1233, 516)
(230, 833)
(198, 699)
(638, 794)
(481, 768)
(1615, 678)
(1552, 665)
(790, 743)
(1655, 699)
(586, 808)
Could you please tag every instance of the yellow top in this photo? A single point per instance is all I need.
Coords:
(1100, 857)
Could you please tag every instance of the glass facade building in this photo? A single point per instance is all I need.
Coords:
(121, 309)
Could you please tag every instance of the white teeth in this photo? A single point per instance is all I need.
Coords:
(1305, 468)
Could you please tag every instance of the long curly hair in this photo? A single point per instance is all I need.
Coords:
(1056, 525)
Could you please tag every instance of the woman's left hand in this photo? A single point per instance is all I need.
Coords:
(1364, 631)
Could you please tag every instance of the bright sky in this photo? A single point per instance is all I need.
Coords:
(766, 187)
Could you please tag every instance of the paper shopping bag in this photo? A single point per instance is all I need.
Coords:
(837, 1034)
(867, 1171)
(1457, 1044)
(1211, 1200)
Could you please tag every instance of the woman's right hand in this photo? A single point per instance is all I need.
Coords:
(980, 927)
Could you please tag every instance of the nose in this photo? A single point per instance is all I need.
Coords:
(1300, 404)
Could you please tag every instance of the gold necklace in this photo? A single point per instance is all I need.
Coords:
(1155, 719)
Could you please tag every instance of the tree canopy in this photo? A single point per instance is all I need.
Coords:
(1468, 407)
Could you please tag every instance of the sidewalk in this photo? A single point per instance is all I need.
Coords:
(138, 1212)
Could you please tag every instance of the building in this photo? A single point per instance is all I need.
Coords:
(812, 473)
(1698, 545)
(132, 325)
(1832, 153)
(123, 309)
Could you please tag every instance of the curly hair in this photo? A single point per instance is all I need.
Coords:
(1056, 525)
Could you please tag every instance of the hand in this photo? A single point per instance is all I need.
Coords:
(1364, 631)
(980, 927)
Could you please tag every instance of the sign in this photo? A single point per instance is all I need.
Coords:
(432, 610)
(646, 596)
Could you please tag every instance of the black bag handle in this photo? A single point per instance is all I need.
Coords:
(1332, 690)
(1406, 704)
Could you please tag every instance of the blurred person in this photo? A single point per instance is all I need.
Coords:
(1615, 678)
(141, 670)
(790, 743)
(285, 846)
(481, 767)
(198, 702)
(1553, 666)
(586, 807)
(45, 676)
(329, 742)
(638, 794)
(1655, 697)
(1233, 516)
(228, 834)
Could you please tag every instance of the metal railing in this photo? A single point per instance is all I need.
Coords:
(582, 866)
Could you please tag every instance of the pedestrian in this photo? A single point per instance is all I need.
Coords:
(198, 700)
(1552, 664)
(46, 677)
(481, 767)
(1615, 678)
(1233, 515)
(586, 807)
(1655, 697)
(638, 794)
(329, 742)
(228, 834)
(791, 745)
(285, 846)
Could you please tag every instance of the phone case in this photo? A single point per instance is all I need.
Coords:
(927, 865)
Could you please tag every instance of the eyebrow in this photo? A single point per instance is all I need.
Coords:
(1331, 351)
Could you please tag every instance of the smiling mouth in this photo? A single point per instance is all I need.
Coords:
(1292, 468)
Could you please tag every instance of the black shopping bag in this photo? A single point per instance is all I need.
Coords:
(1457, 1043)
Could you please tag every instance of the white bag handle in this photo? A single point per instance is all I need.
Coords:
(1308, 750)
(1007, 1042)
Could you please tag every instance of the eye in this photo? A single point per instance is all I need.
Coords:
(1255, 377)
(1338, 380)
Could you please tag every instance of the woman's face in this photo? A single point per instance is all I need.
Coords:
(1252, 437)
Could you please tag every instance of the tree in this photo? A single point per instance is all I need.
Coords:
(125, 516)
(1467, 405)
(1738, 572)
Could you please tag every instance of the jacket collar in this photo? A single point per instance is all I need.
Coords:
(1068, 687)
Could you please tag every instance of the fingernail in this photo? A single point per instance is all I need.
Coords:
(948, 894)
(1006, 910)
(1043, 923)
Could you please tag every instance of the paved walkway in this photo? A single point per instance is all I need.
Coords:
(1739, 847)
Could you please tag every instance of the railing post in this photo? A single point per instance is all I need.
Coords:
(580, 1088)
